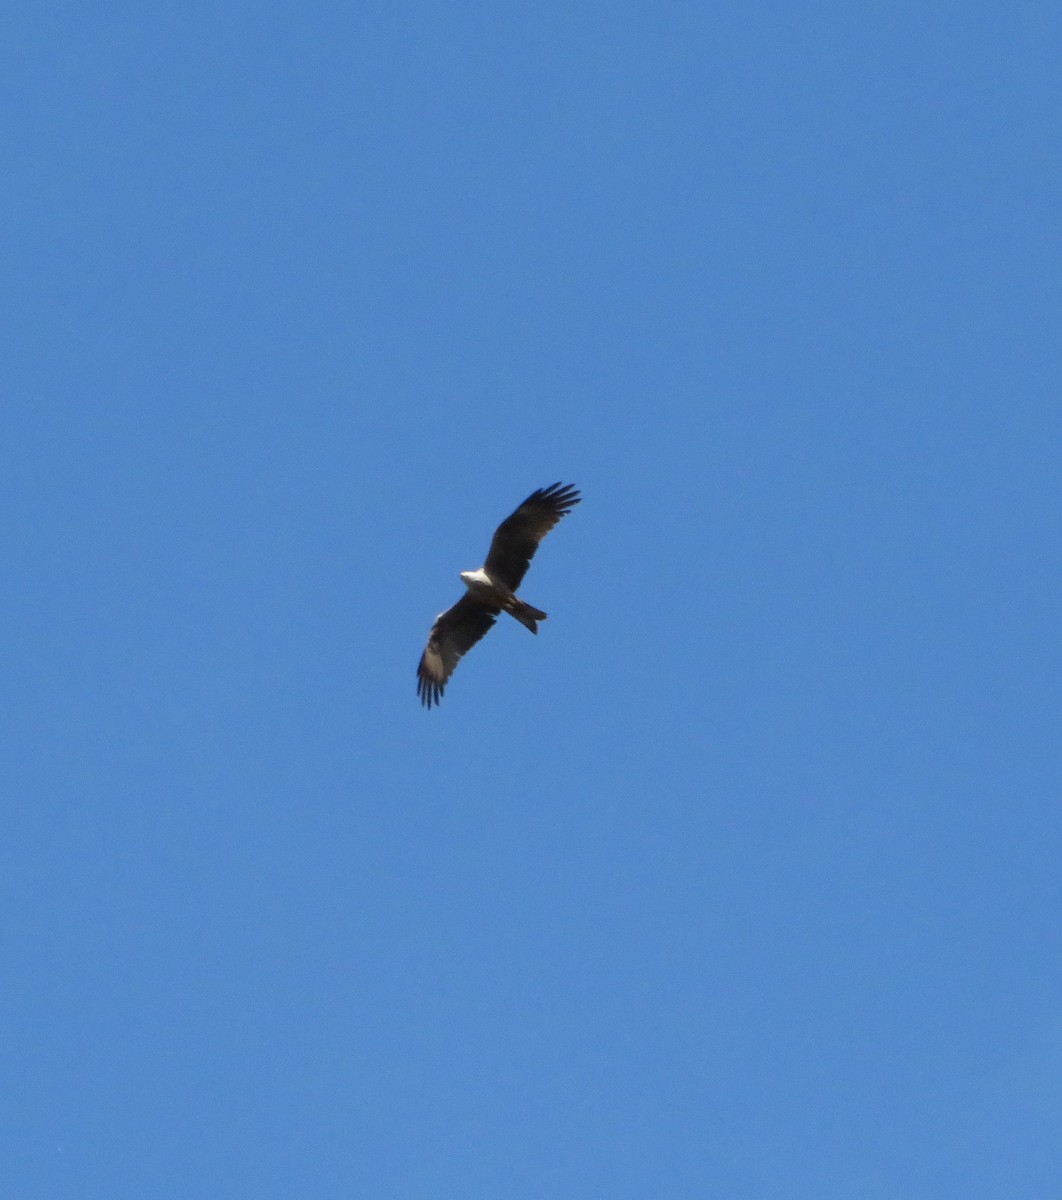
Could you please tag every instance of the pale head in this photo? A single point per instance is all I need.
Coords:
(472, 578)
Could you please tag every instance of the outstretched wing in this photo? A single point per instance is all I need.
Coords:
(518, 536)
(454, 633)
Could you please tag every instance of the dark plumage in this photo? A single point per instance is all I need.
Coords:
(491, 589)
(454, 633)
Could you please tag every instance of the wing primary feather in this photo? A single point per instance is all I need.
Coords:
(454, 633)
(519, 535)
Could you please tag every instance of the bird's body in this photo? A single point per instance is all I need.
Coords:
(493, 593)
(491, 589)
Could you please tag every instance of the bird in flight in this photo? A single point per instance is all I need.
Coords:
(492, 588)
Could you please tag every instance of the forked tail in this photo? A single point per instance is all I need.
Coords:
(526, 614)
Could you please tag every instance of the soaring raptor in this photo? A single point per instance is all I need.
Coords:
(492, 589)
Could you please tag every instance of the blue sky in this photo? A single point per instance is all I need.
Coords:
(740, 880)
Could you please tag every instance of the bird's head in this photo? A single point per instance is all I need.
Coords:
(473, 578)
